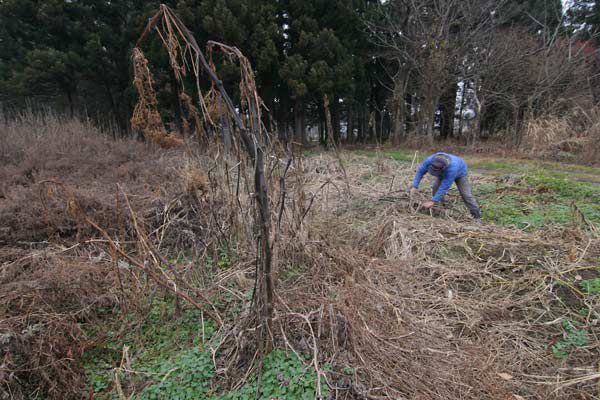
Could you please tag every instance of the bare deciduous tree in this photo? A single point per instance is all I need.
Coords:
(430, 42)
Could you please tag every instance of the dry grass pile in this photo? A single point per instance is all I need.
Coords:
(144, 225)
(38, 148)
(398, 303)
(46, 297)
(62, 180)
(431, 308)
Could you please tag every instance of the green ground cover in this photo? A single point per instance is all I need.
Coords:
(524, 193)
(169, 358)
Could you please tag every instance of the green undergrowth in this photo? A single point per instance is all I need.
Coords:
(531, 195)
(577, 295)
(539, 199)
(573, 338)
(591, 286)
(526, 194)
(168, 356)
(498, 166)
(190, 373)
(503, 166)
(150, 341)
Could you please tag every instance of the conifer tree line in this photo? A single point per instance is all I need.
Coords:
(381, 70)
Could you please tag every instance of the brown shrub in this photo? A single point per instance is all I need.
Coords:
(571, 136)
(51, 170)
(46, 297)
(35, 149)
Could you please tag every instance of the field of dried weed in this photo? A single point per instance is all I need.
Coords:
(376, 298)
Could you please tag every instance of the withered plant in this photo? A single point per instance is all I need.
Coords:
(248, 133)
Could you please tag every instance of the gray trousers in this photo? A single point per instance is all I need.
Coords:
(464, 188)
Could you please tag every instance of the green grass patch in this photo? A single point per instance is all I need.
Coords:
(572, 338)
(171, 361)
(151, 341)
(591, 286)
(538, 199)
(526, 194)
(574, 171)
(497, 166)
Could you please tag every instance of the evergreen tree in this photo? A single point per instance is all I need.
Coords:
(44, 47)
(253, 27)
(75, 55)
(325, 51)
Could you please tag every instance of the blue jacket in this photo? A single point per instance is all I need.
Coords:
(456, 169)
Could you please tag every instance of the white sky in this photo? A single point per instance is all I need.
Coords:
(566, 4)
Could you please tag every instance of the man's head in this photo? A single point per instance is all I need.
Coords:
(438, 165)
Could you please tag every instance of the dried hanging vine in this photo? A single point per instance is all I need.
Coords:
(146, 117)
(186, 57)
(251, 101)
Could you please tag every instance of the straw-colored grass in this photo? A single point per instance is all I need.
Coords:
(434, 307)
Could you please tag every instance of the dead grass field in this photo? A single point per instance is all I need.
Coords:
(378, 299)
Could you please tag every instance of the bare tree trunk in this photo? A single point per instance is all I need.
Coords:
(399, 108)
(335, 120)
(299, 122)
(410, 120)
(476, 123)
(518, 123)
(322, 131)
(70, 100)
(364, 120)
(331, 141)
(304, 138)
(381, 125)
(399, 128)
(329, 136)
(359, 124)
(428, 117)
(371, 128)
(463, 101)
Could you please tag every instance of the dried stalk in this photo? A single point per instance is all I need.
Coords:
(180, 43)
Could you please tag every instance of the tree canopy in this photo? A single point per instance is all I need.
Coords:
(388, 68)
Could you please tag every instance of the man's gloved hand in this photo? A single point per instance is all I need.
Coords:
(413, 191)
(428, 204)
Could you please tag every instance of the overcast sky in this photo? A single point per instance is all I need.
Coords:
(566, 4)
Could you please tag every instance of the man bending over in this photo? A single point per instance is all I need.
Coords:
(447, 169)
